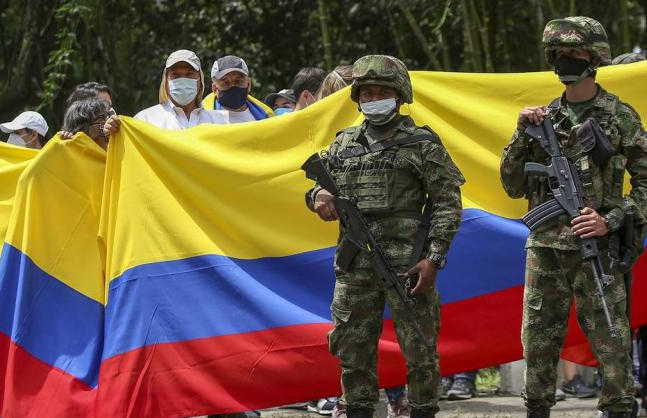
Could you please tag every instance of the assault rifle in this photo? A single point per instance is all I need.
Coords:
(359, 235)
(568, 198)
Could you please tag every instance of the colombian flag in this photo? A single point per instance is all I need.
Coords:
(183, 275)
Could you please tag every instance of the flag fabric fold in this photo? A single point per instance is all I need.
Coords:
(51, 283)
(208, 282)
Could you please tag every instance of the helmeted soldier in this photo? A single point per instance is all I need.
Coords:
(555, 270)
(392, 169)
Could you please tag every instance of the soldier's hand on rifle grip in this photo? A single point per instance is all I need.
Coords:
(426, 272)
(324, 205)
(589, 224)
(532, 114)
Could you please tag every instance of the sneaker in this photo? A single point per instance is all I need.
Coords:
(559, 395)
(638, 387)
(339, 411)
(398, 409)
(445, 385)
(323, 406)
(578, 388)
(461, 389)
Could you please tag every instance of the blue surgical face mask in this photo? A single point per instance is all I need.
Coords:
(282, 110)
(379, 112)
(183, 90)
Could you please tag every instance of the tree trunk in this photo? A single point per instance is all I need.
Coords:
(472, 50)
(483, 28)
(395, 33)
(624, 26)
(417, 32)
(540, 32)
(14, 92)
(325, 36)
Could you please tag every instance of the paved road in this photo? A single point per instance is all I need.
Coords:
(480, 407)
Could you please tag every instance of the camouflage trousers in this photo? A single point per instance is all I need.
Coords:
(357, 308)
(553, 279)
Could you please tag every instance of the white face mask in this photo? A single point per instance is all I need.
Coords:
(379, 112)
(183, 90)
(15, 139)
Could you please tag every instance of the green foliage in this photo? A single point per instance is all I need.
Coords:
(61, 60)
(49, 46)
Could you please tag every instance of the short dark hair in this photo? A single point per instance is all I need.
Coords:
(308, 78)
(87, 91)
(81, 113)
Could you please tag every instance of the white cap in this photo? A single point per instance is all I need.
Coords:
(183, 55)
(29, 120)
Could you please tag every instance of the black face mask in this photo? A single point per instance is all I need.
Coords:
(233, 98)
(572, 70)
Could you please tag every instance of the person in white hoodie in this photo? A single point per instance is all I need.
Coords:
(180, 95)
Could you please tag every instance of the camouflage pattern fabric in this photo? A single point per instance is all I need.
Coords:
(382, 70)
(390, 188)
(553, 279)
(357, 309)
(555, 271)
(577, 32)
(628, 58)
(604, 191)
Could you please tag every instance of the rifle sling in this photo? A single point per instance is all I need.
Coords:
(360, 151)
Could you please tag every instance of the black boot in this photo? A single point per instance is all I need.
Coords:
(422, 413)
(355, 412)
(538, 413)
(632, 414)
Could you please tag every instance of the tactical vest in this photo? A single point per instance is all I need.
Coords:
(602, 182)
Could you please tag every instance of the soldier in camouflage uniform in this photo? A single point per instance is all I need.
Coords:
(390, 187)
(555, 270)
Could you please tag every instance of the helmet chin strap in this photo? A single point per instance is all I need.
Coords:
(573, 80)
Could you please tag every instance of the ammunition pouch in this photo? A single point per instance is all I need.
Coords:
(594, 142)
(346, 254)
(628, 243)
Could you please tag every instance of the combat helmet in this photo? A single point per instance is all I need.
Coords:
(628, 58)
(383, 70)
(577, 32)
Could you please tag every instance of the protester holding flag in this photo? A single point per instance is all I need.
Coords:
(88, 90)
(305, 85)
(89, 116)
(337, 79)
(555, 269)
(27, 130)
(281, 102)
(366, 161)
(180, 95)
(230, 88)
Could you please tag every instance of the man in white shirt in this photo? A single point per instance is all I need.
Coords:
(180, 95)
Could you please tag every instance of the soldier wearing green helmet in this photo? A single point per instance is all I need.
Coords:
(556, 273)
(407, 187)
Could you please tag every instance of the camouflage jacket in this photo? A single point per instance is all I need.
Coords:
(392, 186)
(603, 186)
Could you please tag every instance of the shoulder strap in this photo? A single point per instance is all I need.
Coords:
(381, 146)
